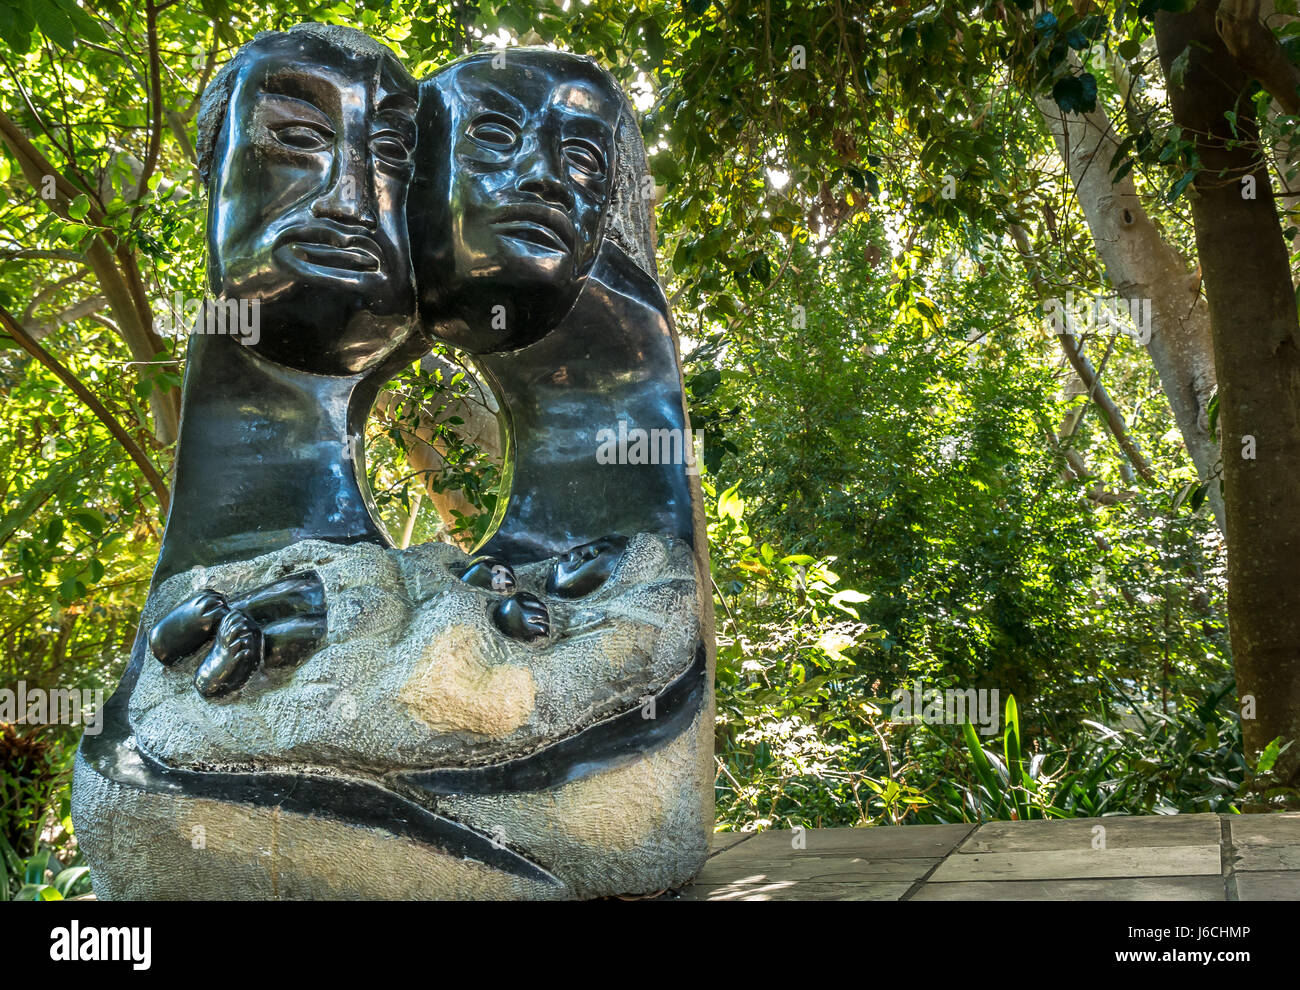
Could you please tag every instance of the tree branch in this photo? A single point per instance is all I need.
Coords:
(92, 403)
(1258, 52)
(1111, 415)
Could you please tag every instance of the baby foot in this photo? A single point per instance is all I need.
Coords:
(522, 616)
(237, 653)
(188, 626)
(584, 569)
(491, 574)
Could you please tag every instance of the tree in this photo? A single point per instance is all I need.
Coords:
(1254, 326)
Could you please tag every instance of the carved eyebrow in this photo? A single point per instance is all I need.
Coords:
(587, 124)
(398, 103)
(492, 97)
(307, 88)
(292, 104)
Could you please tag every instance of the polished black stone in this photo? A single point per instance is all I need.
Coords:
(516, 163)
(522, 616)
(514, 169)
(307, 237)
(491, 574)
(188, 626)
(235, 655)
(584, 569)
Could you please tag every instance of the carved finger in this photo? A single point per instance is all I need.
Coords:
(490, 573)
(296, 595)
(585, 568)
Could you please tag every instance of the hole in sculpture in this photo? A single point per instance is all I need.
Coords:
(434, 453)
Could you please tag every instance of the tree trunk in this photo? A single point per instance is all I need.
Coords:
(1141, 265)
(1254, 327)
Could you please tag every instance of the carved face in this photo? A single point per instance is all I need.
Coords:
(514, 181)
(308, 202)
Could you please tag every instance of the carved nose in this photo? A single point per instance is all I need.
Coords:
(348, 201)
(541, 181)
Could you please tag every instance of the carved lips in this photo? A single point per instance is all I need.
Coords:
(540, 225)
(328, 247)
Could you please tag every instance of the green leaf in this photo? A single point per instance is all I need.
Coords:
(68, 878)
(1177, 189)
(1076, 94)
(1268, 756)
(56, 25)
(36, 866)
(980, 763)
(38, 892)
(79, 207)
(1015, 768)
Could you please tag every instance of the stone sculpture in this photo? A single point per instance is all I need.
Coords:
(310, 712)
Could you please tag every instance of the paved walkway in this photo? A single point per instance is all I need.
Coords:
(1179, 857)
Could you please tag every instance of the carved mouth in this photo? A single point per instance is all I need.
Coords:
(325, 247)
(538, 225)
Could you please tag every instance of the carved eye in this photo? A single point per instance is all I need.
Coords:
(391, 147)
(303, 137)
(585, 157)
(492, 130)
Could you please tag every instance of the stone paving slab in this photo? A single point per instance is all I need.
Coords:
(827, 869)
(789, 890)
(1250, 858)
(824, 864)
(1268, 886)
(1264, 844)
(1171, 857)
(722, 841)
(903, 842)
(1265, 830)
(1071, 864)
(1206, 888)
(1117, 832)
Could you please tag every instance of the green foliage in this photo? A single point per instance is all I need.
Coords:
(35, 765)
(889, 433)
(41, 876)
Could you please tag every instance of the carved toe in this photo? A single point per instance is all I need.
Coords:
(188, 626)
(237, 653)
(522, 616)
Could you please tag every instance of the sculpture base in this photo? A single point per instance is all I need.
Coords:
(639, 828)
(396, 763)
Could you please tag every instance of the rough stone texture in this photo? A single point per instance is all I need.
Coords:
(171, 847)
(415, 674)
(633, 830)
